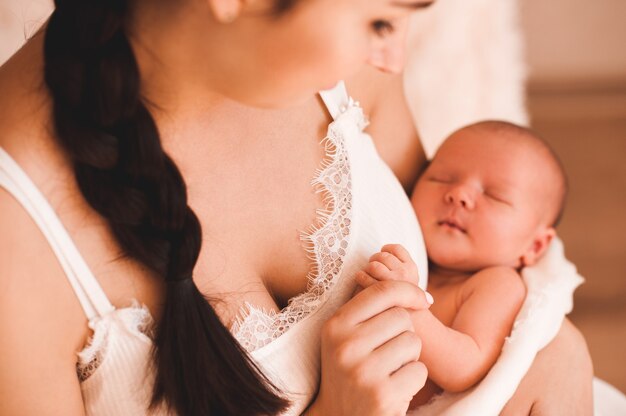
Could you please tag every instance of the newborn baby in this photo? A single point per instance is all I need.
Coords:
(488, 204)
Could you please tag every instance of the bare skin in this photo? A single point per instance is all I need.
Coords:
(32, 289)
(231, 267)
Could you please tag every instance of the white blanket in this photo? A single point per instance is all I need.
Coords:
(607, 400)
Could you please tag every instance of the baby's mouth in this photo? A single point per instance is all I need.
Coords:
(450, 223)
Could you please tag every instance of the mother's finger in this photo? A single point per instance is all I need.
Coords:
(395, 353)
(380, 329)
(365, 280)
(378, 298)
(410, 379)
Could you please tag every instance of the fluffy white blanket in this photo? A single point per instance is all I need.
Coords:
(464, 63)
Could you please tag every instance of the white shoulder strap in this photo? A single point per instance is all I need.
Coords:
(336, 99)
(88, 290)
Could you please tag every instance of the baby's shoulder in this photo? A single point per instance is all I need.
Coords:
(497, 279)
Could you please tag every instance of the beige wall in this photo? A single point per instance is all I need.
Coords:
(19, 19)
(575, 41)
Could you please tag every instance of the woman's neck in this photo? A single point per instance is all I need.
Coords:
(176, 62)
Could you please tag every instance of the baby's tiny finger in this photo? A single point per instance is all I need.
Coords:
(399, 251)
(363, 279)
(378, 271)
(388, 259)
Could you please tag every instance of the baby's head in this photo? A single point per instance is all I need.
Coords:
(491, 197)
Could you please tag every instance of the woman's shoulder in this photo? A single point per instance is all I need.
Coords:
(35, 289)
(35, 281)
(42, 324)
(41, 321)
(25, 136)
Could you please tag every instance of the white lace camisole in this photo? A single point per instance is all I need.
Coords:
(366, 209)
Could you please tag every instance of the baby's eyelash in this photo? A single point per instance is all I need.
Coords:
(498, 198)
(439, 179)
(383, 27)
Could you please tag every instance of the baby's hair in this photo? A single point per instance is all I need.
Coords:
(510, 130)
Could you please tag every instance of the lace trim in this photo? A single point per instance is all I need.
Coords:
(326, 243)
(136, 319)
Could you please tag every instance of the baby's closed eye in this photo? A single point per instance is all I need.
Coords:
(498, 196)
(440, 178)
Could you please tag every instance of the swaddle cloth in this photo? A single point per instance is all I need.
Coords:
(550, 285)
(607, 400)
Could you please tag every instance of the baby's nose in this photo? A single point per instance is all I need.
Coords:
(460, 196)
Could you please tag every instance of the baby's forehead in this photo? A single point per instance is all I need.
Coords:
(503, 158)
(488, 145)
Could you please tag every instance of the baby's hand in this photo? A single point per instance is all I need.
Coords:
(393, 262)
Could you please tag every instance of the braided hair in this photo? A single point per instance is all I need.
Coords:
(123, 172)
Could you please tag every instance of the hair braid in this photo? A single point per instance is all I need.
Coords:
(125, 175)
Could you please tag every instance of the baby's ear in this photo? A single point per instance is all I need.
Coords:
(538, 247)
(225, 11)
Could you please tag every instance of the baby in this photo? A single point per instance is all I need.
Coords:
(488, 204)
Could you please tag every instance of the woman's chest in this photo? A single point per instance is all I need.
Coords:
(252, 248)
(254, 204)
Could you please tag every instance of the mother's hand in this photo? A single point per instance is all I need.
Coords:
(370, 353)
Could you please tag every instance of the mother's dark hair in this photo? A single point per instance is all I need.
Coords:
(125, 175)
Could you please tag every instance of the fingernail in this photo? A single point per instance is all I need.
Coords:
(429, 298)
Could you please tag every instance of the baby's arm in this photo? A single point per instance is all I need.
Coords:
(459, 356)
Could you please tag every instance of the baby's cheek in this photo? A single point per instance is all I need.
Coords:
(500, 244)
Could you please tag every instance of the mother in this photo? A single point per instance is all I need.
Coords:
(144, 97)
